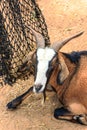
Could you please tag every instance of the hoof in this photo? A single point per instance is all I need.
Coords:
(82, 119)
(13, 104)
(60, 112)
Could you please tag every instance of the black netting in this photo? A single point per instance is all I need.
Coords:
(16, 39)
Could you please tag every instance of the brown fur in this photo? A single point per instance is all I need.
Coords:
(73, 92)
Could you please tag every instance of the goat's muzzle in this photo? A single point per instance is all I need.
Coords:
(37, 88)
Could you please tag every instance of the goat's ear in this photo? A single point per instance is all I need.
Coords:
(33, 58)
(63, 71)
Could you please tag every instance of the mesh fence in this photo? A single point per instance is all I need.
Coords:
(16, 39)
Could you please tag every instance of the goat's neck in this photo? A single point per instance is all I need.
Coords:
(60, 89)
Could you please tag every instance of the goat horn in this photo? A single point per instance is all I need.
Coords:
(57, 46)
(39, 38)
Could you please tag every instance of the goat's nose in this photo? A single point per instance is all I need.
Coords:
(38, 88)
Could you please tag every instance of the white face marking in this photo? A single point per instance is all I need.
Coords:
(44, 56)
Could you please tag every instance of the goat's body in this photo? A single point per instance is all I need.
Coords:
(73, 92)
(76, 94)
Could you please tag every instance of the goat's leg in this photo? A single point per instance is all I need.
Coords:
(17, 101)
(64, 114)
(82, 119)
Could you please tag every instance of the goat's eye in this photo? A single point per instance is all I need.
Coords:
(53, 62)
(49, 71)
(50, 68)
(51, 65)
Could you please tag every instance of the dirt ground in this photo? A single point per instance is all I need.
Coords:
(64, 18)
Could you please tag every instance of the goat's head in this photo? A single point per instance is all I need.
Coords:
(46, 60)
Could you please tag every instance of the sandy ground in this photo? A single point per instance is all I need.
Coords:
(64, 18)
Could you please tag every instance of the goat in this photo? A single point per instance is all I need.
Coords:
(66, 73)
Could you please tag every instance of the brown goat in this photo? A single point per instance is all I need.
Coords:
(66, 73)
